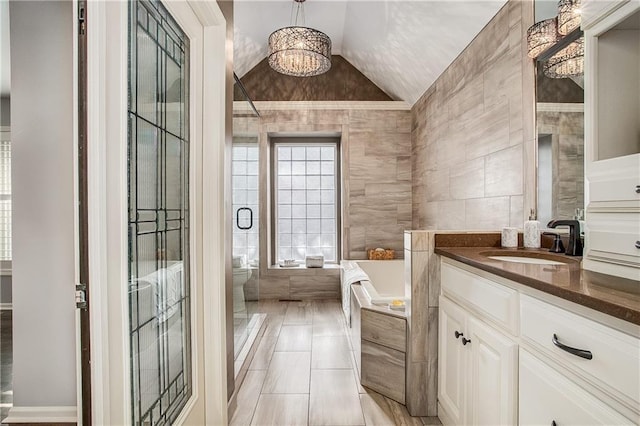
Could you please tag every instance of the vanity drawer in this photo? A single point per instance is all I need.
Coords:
(384, 329)
(547, 396)
(613, 236)
(490, 299)
(615, 363)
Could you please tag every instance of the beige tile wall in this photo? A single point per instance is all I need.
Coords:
(376, 183)
(473, 139)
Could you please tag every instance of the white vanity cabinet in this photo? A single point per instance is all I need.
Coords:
(612, 137)
(510, 371)
(477, 373)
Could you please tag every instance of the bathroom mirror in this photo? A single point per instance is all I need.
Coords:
(560, 130)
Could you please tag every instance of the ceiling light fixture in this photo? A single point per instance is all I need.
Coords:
(568, 62)
(297, 50)
(568, 16)
(560, 40)
(541, 36)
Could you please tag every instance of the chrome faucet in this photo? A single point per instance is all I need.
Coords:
(574, 248)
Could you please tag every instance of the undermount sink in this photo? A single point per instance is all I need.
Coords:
(522, 259)
(530, 257)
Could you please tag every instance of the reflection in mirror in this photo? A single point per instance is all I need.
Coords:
(560, 129)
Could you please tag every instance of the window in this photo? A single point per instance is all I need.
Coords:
(245, 201)
(5, 197)
(306, 199)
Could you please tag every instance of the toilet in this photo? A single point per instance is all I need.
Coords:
(241, 274)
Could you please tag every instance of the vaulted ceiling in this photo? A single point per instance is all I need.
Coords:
(401, 45)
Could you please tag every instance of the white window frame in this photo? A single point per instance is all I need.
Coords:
(5, 135)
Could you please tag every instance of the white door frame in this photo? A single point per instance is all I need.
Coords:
(205, 25)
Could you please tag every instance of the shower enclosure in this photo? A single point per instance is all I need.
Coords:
(244, 183)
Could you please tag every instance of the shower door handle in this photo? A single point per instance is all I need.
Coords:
(244, 228)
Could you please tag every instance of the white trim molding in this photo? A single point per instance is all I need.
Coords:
(327, 105)
(31, 415)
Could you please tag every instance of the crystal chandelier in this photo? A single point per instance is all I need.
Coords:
(563, 29)
(541, 36)
(568, 62)
(299, 51)
(568, 16)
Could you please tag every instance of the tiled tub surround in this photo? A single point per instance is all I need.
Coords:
(419, 354)
(473, 136)
(375, 162)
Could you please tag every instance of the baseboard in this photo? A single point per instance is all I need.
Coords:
(6, 306)
(42, 415)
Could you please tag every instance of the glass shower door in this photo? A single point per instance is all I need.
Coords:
(245, 237)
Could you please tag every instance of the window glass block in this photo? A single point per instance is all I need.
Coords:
(298, 182)
(239, 182)
(252, 182)
(284, 226)
(284, 182)
(313, 197)
(298, 168)
(313, 182)
(284, 153)
(284, 211)
(328, 240)
(313, 167)
(329, 252)
(328, 225)
(313, 240)
(239, 168)
(239, 197)
(239, 152)
(327, 196)
(252, 168)
(306, 198)
(328, 168)
(284, 197)
(299, 211)
(284, 240)
(313, 153)
(314, 211)
(313, 226)
(252, 153)
(284, 168)
(298, 153)
(328, 211)
(298, 197)
(298, 226)
(284, 253)
(328, 153)
(328, 182)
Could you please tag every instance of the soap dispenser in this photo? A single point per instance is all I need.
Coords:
(532, 231)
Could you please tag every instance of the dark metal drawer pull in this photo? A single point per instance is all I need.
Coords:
(582, 353)
(553, 423)
(458, 334)
(637, 189)
(638, 244)
(465, 341)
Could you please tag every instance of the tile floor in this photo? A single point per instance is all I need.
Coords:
(303, 373)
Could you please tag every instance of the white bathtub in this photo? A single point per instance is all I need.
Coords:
(386, 280)
(385, 283)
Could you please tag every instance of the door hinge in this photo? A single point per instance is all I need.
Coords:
(81, 296)
(82, 20)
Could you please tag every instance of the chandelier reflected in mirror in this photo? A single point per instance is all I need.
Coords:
(299, 51)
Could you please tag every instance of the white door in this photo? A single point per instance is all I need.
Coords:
(492, 376)
(452, 371)
(155, 70)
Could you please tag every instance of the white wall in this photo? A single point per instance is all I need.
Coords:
(44, 361)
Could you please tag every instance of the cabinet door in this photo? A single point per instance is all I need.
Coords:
(451, 363)
(492, 376)
(546, 396)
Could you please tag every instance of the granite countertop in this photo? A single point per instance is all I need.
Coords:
(618, 297)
